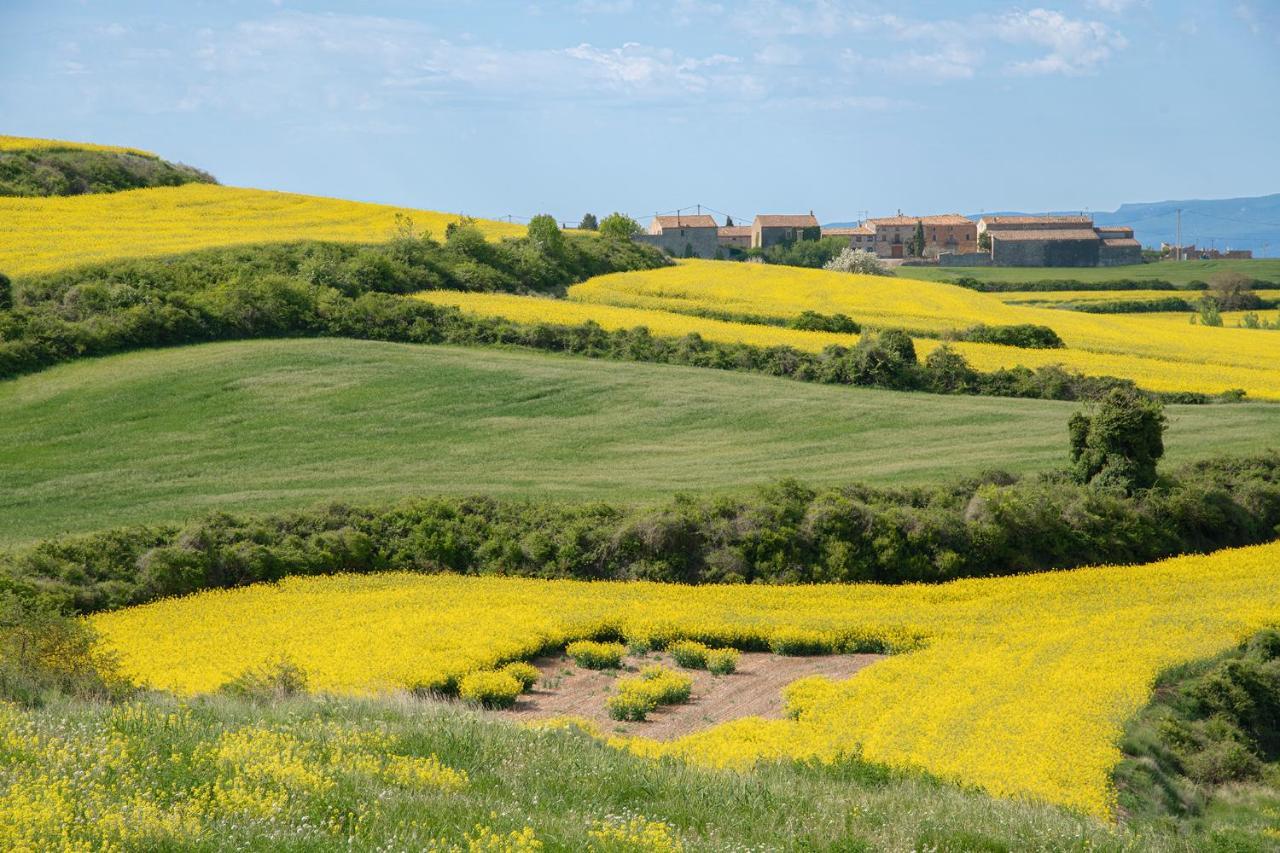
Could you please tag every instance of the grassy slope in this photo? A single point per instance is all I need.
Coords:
(560, 784)
(160, 435)
(1264, 269)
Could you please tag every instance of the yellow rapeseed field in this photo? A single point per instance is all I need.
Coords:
(42, 234)
(1021, 686)
(1054, 296)
(1155, 374)
(28, 143)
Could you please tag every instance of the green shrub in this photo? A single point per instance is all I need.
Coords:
(277, 680)
(490, 689)
(689, 654)
(526, 673)
(795, 642)
(44, 654)
(812, 321)
(1025, 335)
(593, 655)
(1118, 445)
(722, 661)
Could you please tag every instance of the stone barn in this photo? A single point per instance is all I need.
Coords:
(684, 236)
(770, 229)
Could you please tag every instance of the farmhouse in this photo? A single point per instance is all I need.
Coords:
(770, 229)
(1118, 247)
(1057, 241)
(684, 236)
(949, 232)
(735, 236)
(859, 237)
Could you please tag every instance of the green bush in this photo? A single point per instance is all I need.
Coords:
(689, 654)
(490, 689)
(526, 673)
(45, 654)
(811, 321)
(795, 642)
(277, 680)
(1118, 445)
(593, 655)
(634, 698)
(1025, 335)
(722, 661)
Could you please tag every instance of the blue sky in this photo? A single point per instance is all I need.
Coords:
(840, 106)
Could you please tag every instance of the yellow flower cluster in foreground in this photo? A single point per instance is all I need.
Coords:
(1021, 687)
(145, 777)
(42, 234)
(28, 143)
(1155, 374)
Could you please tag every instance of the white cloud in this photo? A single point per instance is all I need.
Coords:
(1249, 16)
(780, 54)
(1075, 46)
(821, 18)
(1115, 7)
(956, 62)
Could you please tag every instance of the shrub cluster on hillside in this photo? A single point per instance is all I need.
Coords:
(1211, 724)
(281, 290)
(783, 533)
(53, 171)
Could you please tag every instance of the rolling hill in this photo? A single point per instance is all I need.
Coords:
(53, 167)
(164, 434)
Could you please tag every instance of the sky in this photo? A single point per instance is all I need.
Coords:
(843, 107)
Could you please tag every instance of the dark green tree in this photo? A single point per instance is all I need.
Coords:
(728, 222)
(619, 226)
(588, 223)
(6, 293)
(916, 247)
(1118, 444)
(545, 233)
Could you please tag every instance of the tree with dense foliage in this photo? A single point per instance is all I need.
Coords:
(619, 226)
(984, 242)
(1119, 444)
(545, 233)
(588, 223)
(6, 292)
(728, 221)
(916, 247)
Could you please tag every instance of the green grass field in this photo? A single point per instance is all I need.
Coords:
(161, 435)
(1185, 272)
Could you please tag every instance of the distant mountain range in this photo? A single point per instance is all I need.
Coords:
(1228, 223)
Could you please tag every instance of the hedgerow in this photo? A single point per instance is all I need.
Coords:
(781, 533)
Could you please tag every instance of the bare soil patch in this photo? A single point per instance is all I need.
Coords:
(755, 690)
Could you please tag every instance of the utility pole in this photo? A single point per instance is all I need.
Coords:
(1177, 250)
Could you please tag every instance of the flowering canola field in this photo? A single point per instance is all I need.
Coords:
(28, 143)
(44, 234)
(1154, 373)
(1018, 685)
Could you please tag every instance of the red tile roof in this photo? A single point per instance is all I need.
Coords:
(1037, 220)
(700, 221)
(860, 230)
(734, 231)
(1046, 234)
(1121, 242)
(786, 220)
(940, 219)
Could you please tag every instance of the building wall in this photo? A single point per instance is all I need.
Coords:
(762, 237)
(1045, 253)
(703, 241)
(1115, 256)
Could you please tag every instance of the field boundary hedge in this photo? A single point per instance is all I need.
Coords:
(785, 533)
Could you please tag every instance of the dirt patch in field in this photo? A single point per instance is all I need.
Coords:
(755, 690)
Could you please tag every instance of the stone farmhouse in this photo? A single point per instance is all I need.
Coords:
(770, 229)
(948, 232)
(684, 236)
(735, 237)
(859, 237)
(1057, 241)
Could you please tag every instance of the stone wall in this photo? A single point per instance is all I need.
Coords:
(678, 242)
(1045, 253)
